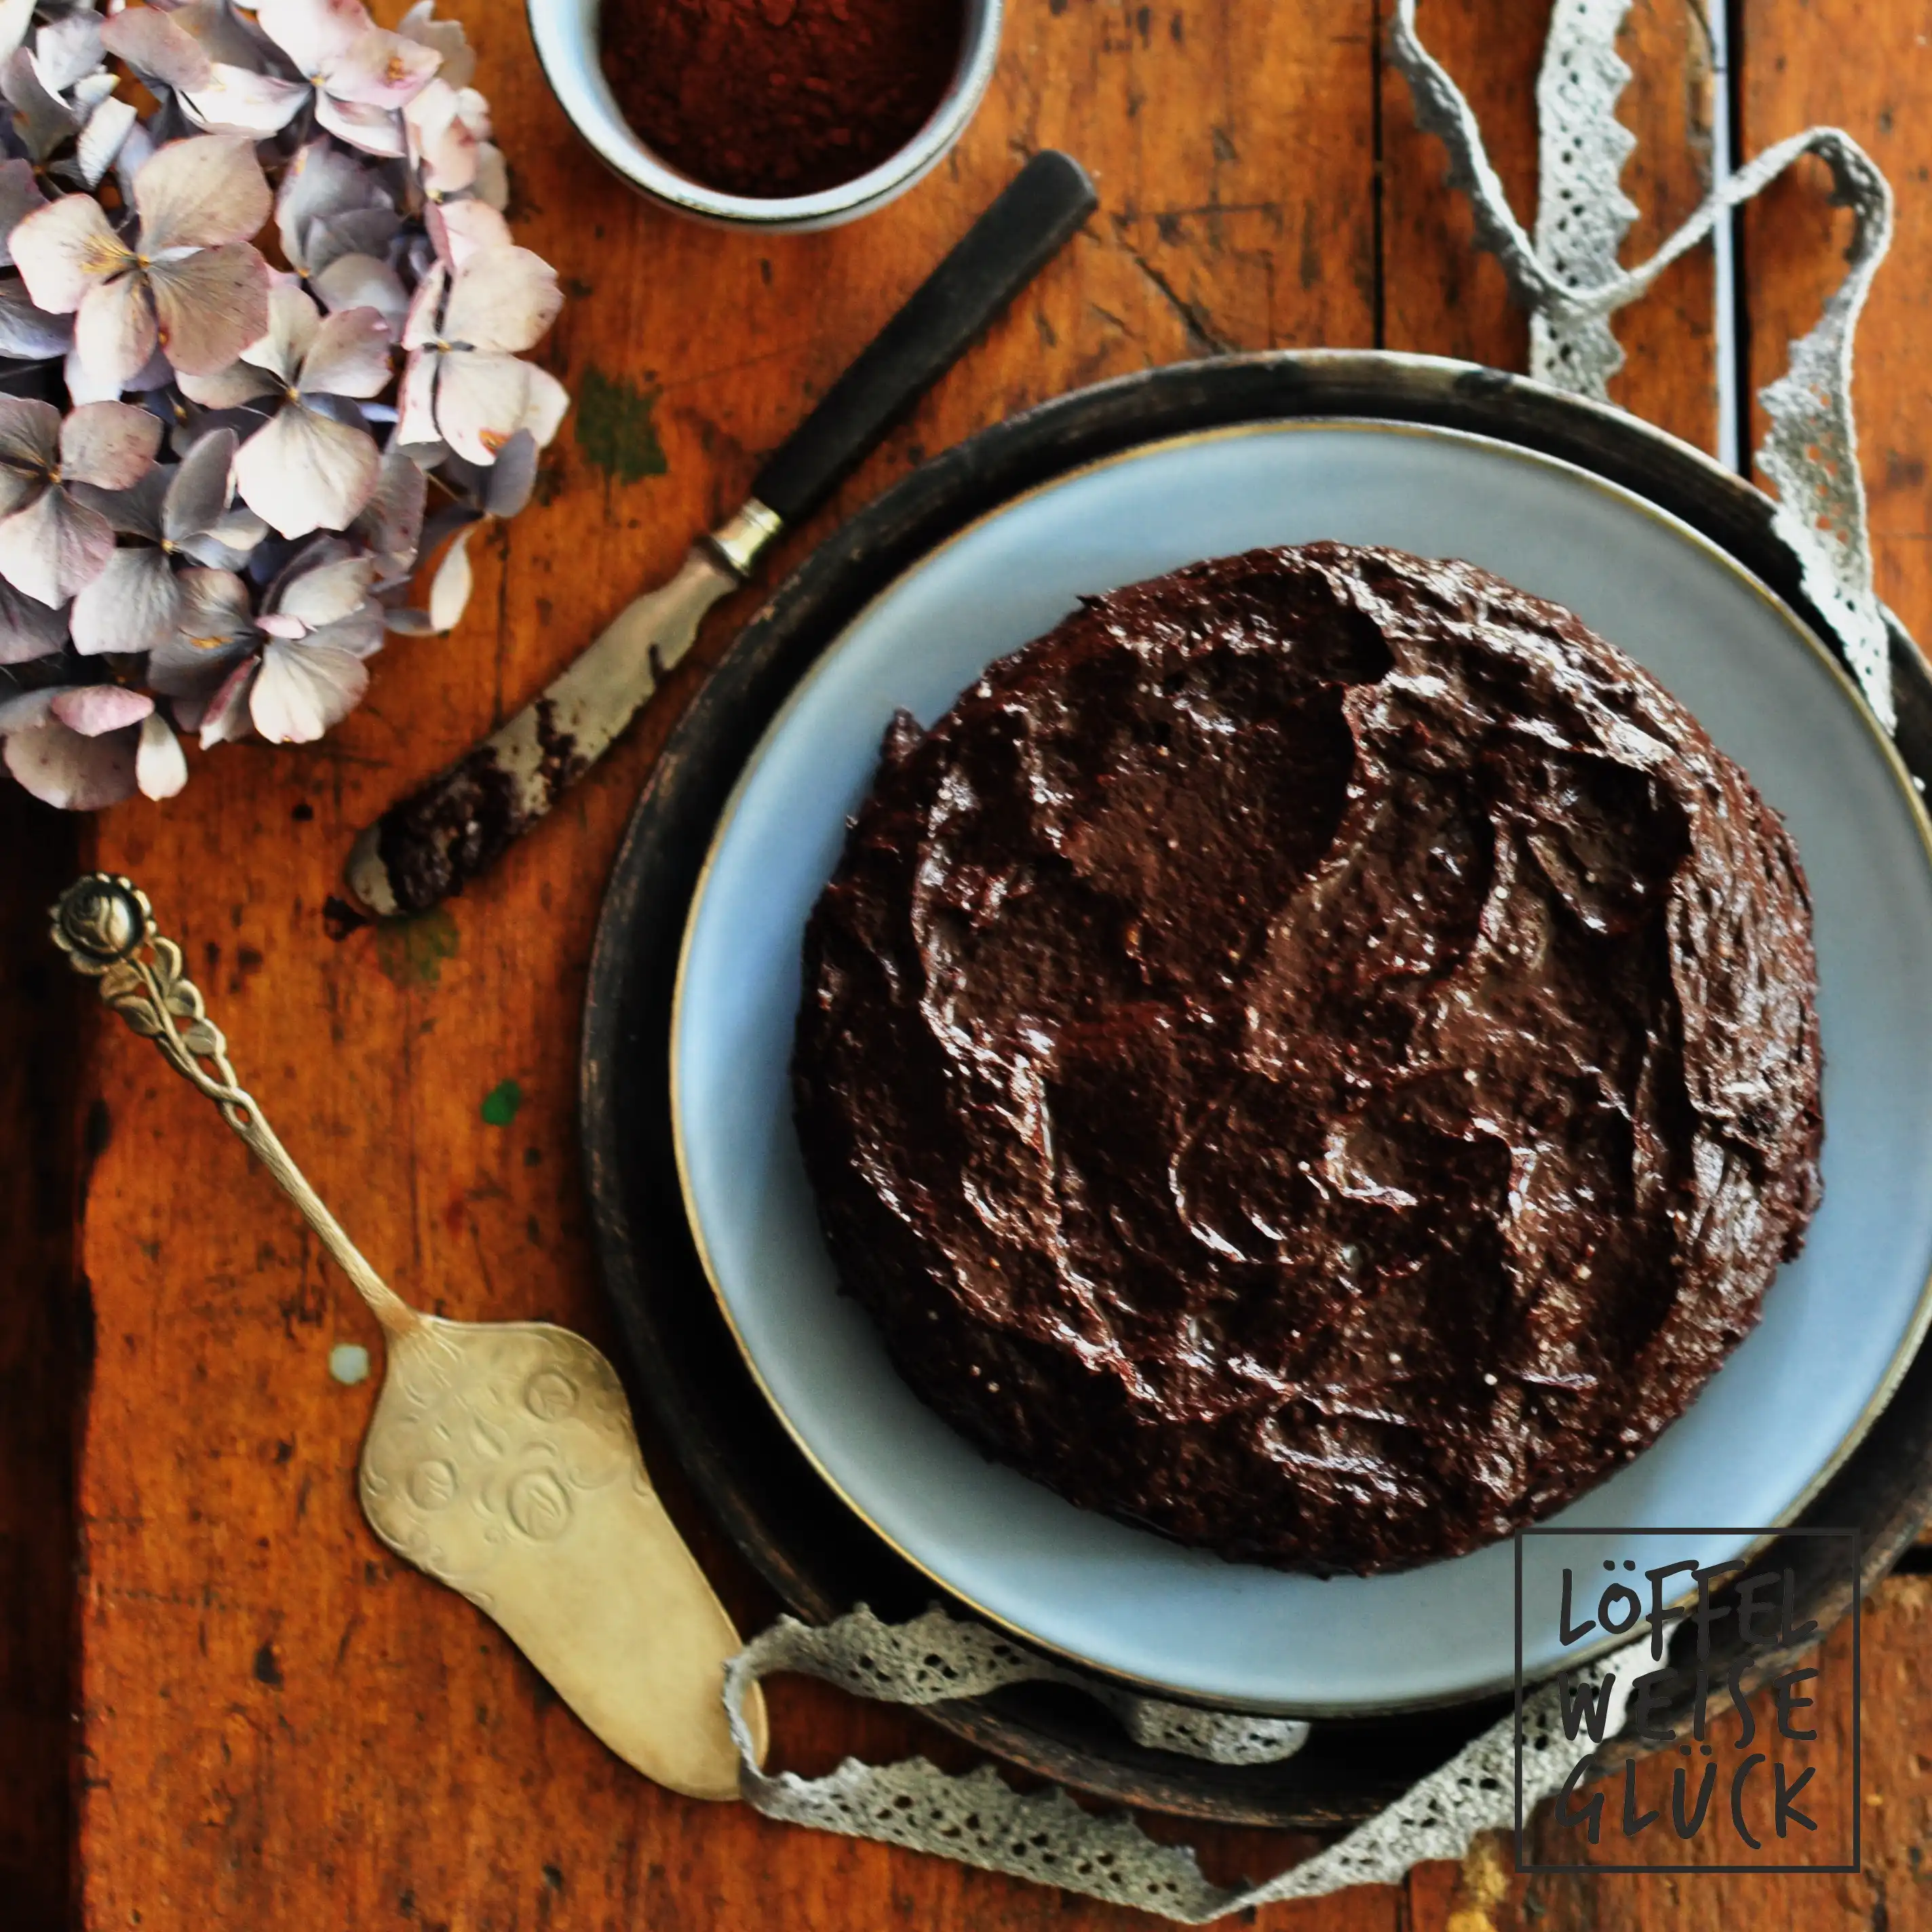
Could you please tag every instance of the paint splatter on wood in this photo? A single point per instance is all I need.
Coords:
(617, 428)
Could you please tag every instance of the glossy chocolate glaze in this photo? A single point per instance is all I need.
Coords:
(1316, 1056)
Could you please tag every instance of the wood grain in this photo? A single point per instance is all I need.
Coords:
(282, 1727)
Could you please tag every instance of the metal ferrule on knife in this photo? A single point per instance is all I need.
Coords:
(429, 845)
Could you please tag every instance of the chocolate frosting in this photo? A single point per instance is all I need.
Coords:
(1316, 1056)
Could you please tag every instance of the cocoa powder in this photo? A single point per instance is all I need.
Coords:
(772, 98)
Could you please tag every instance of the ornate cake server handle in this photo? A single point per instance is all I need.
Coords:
(501, 1457)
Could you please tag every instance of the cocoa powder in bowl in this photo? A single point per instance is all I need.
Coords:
(774, 98)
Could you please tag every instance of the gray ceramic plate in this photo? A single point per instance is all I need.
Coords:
(1839, 1325)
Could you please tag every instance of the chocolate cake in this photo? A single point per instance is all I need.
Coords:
(1316, 1056)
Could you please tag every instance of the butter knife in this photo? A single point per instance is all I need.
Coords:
(435, 841)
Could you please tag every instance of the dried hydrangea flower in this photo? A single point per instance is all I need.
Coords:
(51, 542)
(82, 747)
(305, 469)
(189, 282)
(360, 75)
(463, 385)
(151, 592)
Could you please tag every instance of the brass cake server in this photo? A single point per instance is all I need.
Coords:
(501, 1457)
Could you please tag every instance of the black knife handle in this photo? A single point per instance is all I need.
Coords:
(1016, 237)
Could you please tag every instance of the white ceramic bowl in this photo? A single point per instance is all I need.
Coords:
(565, 32)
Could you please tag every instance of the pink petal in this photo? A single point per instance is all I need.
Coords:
(349, 356)
(237, 100)
(415, 401)
(305, 472)
(480, 402)
(160, 765)
(54, 546)
(503, 300)
(61, 768)
(419, 326)
(361, 281)
(201, 192)
(109, 445)
(133, 605)
(153, 44)
(115, 332)
(320, 182)
(20, 196)
(549, 401)
(446, 37)
(314, 34)
(304, 688)
(380, 70)
(444, 146)
(376, 130)
(64, 249)
(211, 306)
(226, 716)
(458, 229)
(327, 594)
(83, 386)
(392, 521)
(93, 709)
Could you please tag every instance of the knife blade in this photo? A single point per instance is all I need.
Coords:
(452, 830)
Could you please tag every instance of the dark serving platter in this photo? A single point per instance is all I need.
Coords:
(683, 1361)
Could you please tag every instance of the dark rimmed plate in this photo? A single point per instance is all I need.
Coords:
(816, 1552)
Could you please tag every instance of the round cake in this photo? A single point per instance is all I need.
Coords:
(1316, 1056)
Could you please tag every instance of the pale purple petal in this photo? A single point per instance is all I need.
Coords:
(115, 332)
(133, 605)
(493, 176)
(83, 386)
(304, 688)
(449, 588)
(156, 45)
(26, 709)
(231, 388)
(109, 445)
(160, 765)
(41, 119)
(350, 356)
(361, 281)
(327, 594)
(135, 511)
(29, 433)
(217, 629)
(549, 401)
(200, 193)
(210, 305)
(360, 633)
(238, 100)
(376, 130)
(379, 69)
(392, 521)
(306, 472)
(415, 401)
(27, 332)
(29, 628)
(480, 402)
(64, 249)
(503, 300)
(512, 477)
(20, 196)
(16, 22)
(225, 544)
(54, 546)
(61, 768)
(93, 709)
(223, 33)
(198, 492)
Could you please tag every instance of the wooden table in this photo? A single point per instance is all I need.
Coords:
(223, 1702)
